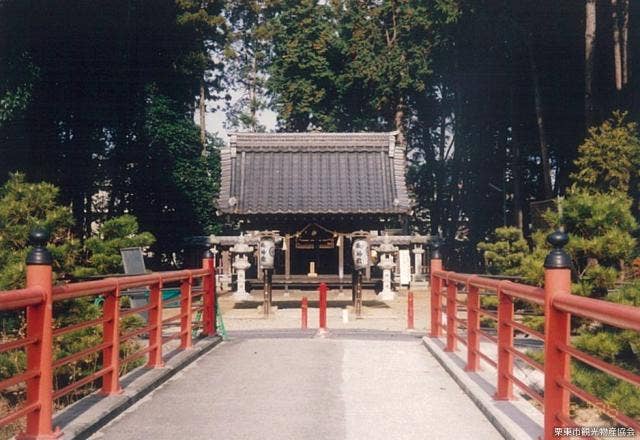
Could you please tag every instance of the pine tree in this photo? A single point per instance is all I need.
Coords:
(503, 255)
(103, 248)
(609, 157)
(23, 207)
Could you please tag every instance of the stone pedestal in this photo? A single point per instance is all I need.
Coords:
(386, 264)
(241, 264)
(418, 252)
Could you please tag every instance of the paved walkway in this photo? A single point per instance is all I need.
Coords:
(365, 385)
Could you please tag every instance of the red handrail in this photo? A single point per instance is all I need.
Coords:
(558, 305)
(21, 298)
(38, 297)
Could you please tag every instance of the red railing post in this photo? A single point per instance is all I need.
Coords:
(111, 336)
(557, 327)
(209, 295)
(473, 325)
(452, 319)
(505, 343)
(155, 322)
(410, 311)
(436, 286)
(40, 353)
(186, 314)
(323, 306)
(304, 310)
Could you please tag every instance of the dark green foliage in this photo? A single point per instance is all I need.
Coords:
(351, 65)
(597, 215)
(78, 89)
(179, 176)
(505, 253)
(609, 157)
(600, 227)
(103, 249)
(618, 347)
(23, 206)
(389, 46)
(248, 53)
(17, 76)
(306, 60)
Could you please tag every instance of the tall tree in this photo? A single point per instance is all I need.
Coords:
(82, 111)
(625, 42)
(307, 55)
(540, 120)
(390, 46)
(617, 44)
(609, 157)
(589, 60)
(248, 53)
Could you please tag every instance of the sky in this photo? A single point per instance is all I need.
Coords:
(215, 119)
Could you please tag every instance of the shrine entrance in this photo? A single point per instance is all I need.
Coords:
(315, 251)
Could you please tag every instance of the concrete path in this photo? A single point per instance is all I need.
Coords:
(360, 386)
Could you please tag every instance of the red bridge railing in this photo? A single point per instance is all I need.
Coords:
(559, 305)
(38, 299)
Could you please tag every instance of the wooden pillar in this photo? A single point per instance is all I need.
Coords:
(367, 271)
(287, 261)
(341, 257)
(287, 257)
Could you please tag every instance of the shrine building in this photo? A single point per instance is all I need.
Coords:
(317, 190)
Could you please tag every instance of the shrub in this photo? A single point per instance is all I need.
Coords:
(102, 251)
(503, 255)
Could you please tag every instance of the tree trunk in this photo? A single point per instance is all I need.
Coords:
(399, 121)
(589, 46)
(202, 111)
(542, 133)
(518, 215)
(625, 42)
(253, 104)
(617, 51)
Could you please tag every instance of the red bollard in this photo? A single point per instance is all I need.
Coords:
(303, 308)
(323, 306)
(410, 311)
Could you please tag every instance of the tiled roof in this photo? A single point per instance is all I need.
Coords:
(313, 173)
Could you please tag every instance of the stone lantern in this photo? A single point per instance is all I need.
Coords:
(418, 251)
(387, 264)
(241, 250)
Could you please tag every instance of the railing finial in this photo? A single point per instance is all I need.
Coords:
(558, 257)
(39, 255)
(435, 244)
(207, 253)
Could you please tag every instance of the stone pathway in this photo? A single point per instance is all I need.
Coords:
(353, 384)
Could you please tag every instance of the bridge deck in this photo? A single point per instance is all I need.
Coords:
(288, 385)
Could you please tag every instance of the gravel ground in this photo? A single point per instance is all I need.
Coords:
(377, 315)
